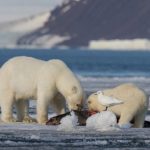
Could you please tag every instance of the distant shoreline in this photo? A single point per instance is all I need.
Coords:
(67, 49)
(121, 44)
(94, 45)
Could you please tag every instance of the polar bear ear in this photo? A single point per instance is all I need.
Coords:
(74, 89)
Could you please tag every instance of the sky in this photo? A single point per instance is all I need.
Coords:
(16, 9)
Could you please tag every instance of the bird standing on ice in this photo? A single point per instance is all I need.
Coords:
(107, 100)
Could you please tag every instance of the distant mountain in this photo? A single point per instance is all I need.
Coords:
(77, 23)
(94, 24)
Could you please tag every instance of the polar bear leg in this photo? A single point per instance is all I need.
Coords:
(126, 117)
(7, 107)
(58, 105)
(22, 108)
(43, 101)
(42, 111)
(27, 118)
(139, 119)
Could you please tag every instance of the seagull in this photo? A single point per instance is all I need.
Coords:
(107, 100)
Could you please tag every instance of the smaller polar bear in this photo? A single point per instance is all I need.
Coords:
(48, 82)
(133, 108)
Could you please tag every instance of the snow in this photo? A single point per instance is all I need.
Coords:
(27, 24)
(68, 123)
(125, 126)
(147, 117)
(49, 41)
(34, 137)
(103, 121)
(65, 9)
(117, 44)
(48, 137)
(11, 32)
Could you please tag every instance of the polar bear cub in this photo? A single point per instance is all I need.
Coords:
(24, 78)
(133, 108)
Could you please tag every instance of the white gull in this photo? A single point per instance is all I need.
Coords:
(107, 100)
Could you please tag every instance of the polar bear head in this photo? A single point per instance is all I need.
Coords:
(75, 98)
(93, 103)
(70, 87)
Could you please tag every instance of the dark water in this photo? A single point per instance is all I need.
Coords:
(92, 63)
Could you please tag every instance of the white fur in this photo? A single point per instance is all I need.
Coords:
(50, 82)
(134, 107)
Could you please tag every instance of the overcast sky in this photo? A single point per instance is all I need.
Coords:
(15, 9)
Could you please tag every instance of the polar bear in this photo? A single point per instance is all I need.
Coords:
(133, 108)
(50, 82)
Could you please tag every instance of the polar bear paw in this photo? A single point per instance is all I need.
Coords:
(42, 121)
(28, 119)
(9, 120)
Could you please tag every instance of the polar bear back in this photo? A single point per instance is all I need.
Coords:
(132, 96)
(22, 74)
(126, 92)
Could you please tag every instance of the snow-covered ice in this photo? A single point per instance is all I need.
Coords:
(68, 123)
(103, 121)
(125, 126)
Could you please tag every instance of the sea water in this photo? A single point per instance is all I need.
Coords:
(97, 67)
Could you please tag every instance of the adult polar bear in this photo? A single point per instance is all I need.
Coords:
(24, 78)
(134, 107)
